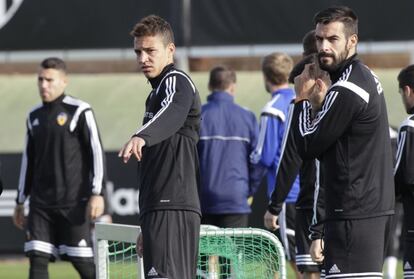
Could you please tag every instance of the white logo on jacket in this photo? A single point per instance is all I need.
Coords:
(149, 114)
(7, 11)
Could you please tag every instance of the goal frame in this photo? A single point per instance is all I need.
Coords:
(105, 232)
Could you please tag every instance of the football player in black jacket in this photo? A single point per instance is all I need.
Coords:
(166, 146)
(63, 172)
(350, 137)
(404, 169)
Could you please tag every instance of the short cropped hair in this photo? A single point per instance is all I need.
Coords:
(54, 63)
(406, 77)
(153, 25)
(300, 66)
(309, 43)
(221, 77)
(339, 13)
(314, 72)
(276, 67)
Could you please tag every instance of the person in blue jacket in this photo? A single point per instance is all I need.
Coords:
(276, 68)
(228, 135)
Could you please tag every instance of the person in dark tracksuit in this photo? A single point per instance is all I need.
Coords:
(63, 173)
(290, 165)
(166, 146)
(228, 135)
(350, 136)
(404, 170)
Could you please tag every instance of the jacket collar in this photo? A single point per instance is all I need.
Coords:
(335, 75)
(281, 91)
(220, 96)
(156, 81)
(58, 100)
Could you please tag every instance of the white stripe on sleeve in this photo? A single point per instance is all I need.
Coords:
(98, 167)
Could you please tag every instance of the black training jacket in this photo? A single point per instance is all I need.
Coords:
(63, 161)
(404, 167)
(404, 173)
(350, 136)
(169, 167)
(289, 166)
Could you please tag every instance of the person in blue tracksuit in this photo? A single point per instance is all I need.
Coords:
(228, 135)
(276, 68)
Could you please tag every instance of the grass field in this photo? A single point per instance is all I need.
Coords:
(58, 270)
(64, 270)
(118, 101)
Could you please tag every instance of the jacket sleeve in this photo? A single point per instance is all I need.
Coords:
(317, 227)
(314, 136)
(26, 167)
(178, 96)
(404, 170)
(287, 171)
(256, 171)
(93, 144)
(266, 151)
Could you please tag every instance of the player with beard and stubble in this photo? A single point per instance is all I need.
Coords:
(350, 137)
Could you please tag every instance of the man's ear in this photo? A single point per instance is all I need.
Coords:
(407, 91)
(353, 40)
(171, 49)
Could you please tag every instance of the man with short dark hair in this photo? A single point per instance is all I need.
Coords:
(404, 170)
(63, 173)
(166, 146)
(228, 135)
(309, 44)
(350, 136)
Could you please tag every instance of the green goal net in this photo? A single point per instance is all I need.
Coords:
(223, 253)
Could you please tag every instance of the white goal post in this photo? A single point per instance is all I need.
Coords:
(247, 248)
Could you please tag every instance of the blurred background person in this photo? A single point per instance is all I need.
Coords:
(228, 135)
(63, 173)
(404, 169)
(276, 68)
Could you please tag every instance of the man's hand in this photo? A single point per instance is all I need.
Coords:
(304, 84)
(270, 221)
(96, 206)
(140, 246)
(18, 216)
(319, 91)
(316, 250)
(133, 146)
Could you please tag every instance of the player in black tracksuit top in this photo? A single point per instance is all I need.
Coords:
(404, 170)
(166, 146)
(63, 174)
(290, 165)
(62, 165)
(171, 123)
(350, 137)
(169, 170)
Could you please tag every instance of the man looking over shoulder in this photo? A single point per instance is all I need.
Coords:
(166, 146)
